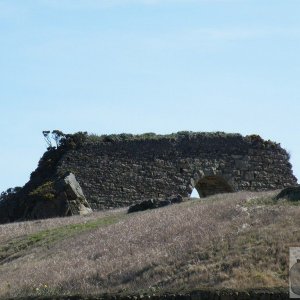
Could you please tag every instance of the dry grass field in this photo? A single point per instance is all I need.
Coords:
(237, 241)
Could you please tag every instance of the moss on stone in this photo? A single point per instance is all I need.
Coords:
(45, 191)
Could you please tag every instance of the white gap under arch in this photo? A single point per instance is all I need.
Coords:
(195, 194)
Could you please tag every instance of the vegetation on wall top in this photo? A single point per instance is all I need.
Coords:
(154, 136)
(64, 140)
(72, 141)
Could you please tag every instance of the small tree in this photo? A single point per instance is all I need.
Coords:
(46, 134)
(9, 193)
(58, 137)
(64, 140)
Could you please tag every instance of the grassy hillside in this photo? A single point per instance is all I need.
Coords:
(234, 241)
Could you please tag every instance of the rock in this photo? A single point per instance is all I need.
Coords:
(72, 192)
(154, 203)
(295, 278)
(65, 198)
(163, 203)
(177, 199)
(290, 193)
(56, 197)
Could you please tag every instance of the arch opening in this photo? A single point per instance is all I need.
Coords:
(194, 194)
(212, 185)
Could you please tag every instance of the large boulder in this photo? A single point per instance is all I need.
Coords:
(290, 193)
(63, 197)
(56, 197)
(154, 203)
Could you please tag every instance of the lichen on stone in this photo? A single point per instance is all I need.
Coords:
(45, 191)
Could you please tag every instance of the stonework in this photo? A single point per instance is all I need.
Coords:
(119, 172)
(59, 197)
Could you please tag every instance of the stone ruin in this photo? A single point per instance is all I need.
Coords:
(115, 172)
(121, 170)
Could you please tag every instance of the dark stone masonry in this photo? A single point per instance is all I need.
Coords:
(116, 172)
(122, 170)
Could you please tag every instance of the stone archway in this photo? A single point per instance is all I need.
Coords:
(212, 184)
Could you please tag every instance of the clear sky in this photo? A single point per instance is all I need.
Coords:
(113, 66)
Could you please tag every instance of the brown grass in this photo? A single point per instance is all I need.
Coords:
(236, 240)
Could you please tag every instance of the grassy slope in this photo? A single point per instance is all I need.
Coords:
(236, 240)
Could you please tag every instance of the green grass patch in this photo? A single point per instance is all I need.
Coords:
(261, 201)
(288, 202)
(268, 201)
(17, 247)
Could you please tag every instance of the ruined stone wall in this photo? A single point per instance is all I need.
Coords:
(114, 173)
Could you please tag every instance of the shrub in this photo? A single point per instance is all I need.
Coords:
(9, 193)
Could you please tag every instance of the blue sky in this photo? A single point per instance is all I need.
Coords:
(113, 66)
